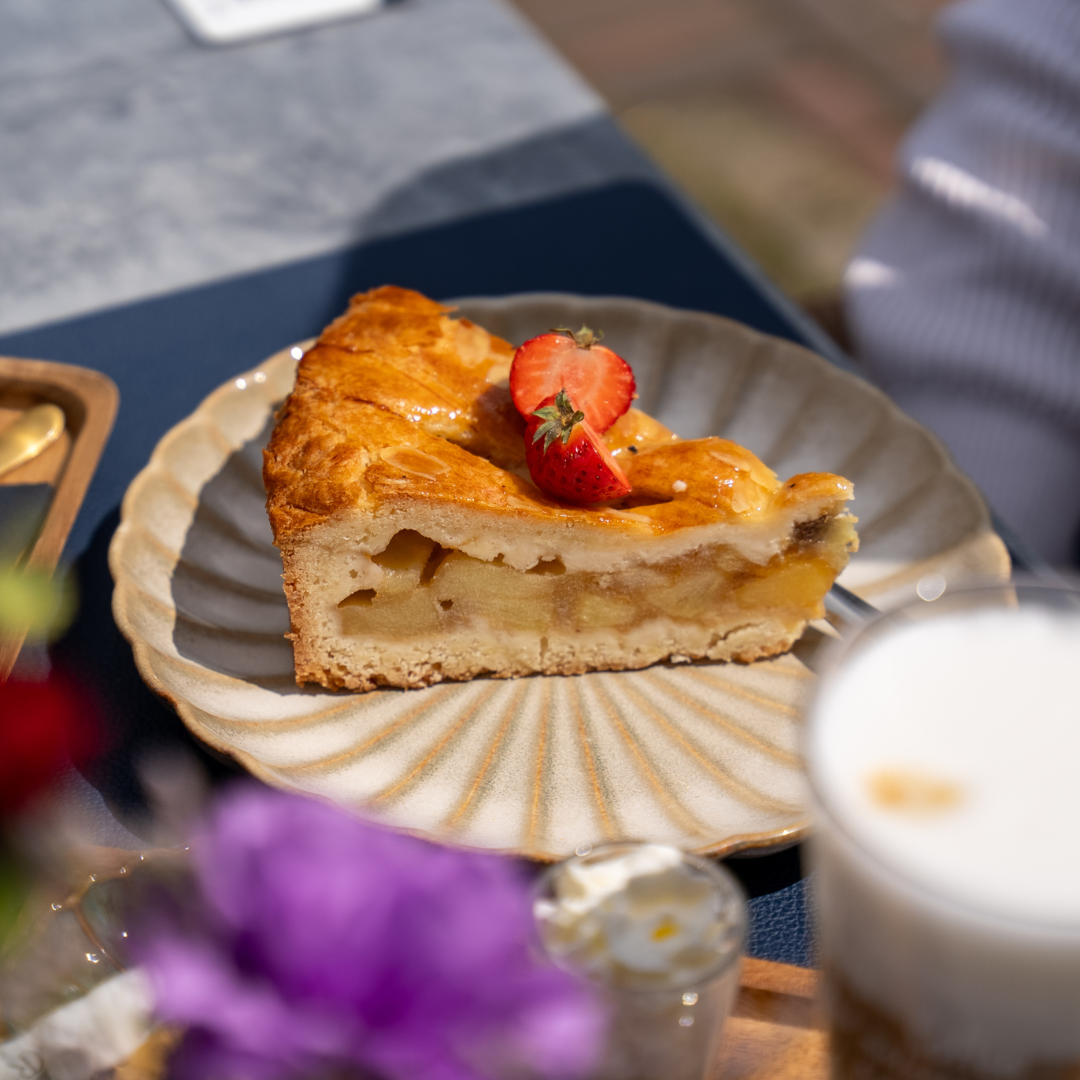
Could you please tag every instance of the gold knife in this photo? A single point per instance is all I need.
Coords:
(24, 439)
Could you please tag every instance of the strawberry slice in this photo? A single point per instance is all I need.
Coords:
(566, 457)
(600, 381)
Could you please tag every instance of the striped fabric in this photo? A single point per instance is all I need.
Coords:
(964, 299)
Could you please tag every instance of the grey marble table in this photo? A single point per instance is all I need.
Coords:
(134, 161)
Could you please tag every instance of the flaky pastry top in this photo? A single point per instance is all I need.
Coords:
(398, 401)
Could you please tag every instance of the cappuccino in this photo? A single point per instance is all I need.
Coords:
(944, 755)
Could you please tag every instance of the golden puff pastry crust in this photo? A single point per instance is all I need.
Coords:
(416, 549)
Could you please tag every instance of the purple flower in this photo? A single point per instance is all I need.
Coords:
(316, 944)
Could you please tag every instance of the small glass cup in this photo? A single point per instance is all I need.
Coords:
(943, 749)
(659, 933)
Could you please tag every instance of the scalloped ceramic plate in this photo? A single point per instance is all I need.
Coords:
(705, 756)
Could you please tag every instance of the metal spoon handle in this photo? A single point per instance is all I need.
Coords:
(24, 439)
(844, 605)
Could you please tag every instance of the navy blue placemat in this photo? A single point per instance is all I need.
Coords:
(781, 927)
(166, 354)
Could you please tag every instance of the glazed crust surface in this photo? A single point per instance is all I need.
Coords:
(397, 401)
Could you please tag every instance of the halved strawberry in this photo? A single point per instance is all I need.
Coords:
(567, 458)
(600, 381)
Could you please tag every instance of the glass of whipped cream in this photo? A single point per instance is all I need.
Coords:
(659, 933)
(943, 749)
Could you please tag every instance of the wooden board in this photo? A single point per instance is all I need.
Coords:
(775, 1031)
(89, 401)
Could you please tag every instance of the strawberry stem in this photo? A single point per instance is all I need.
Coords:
(583, 338)
(559, 419)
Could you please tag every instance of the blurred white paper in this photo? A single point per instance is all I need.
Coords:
(86, 1036)
(224, 22)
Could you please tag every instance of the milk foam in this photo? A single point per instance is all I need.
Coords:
(949, 750)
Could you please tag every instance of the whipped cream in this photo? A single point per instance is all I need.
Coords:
(641, 917)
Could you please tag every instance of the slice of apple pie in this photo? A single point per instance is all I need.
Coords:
(416, 549)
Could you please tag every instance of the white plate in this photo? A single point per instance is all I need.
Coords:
(704, 756)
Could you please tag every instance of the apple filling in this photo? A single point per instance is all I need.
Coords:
(428, 589)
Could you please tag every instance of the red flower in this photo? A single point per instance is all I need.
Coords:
(41, 725)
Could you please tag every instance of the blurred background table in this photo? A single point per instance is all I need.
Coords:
(173, 214)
